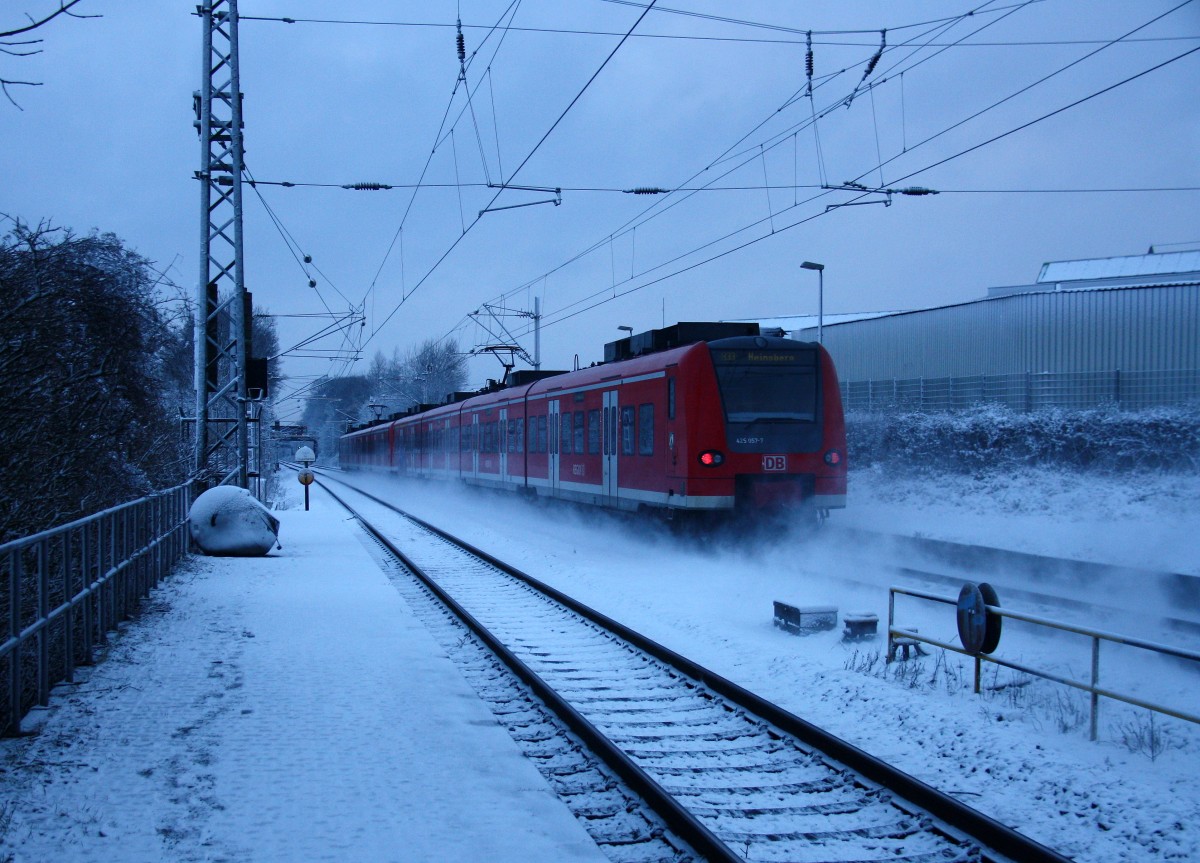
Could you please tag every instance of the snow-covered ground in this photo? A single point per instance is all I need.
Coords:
(1019, 752)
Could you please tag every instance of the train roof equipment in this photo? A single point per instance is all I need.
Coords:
(682, 333)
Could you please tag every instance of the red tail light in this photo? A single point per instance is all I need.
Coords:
(711, 458)
(833, 457)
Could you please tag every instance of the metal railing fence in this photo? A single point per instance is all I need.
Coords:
(1091, 686)
(1027, 392)
(62, 591)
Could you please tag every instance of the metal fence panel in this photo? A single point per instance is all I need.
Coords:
(1091, 686)
(63, 590)
(1026, 392)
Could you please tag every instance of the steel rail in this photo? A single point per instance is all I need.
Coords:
(685, 825)
(1004, 841)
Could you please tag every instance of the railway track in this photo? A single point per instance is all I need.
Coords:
(661, 758)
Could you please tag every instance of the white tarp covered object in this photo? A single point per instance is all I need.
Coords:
(230, 521)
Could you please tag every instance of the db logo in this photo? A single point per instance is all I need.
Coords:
(774, 462)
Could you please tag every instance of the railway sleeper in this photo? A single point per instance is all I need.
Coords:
(734, 812)
(739, 735)
(749, 758)
(872, 822)
(732, 795)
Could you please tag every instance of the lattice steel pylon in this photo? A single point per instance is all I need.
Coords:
(222, 319)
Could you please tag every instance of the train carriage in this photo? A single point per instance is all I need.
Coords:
(691, 418)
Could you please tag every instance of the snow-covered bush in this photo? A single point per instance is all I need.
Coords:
(993, 436)
(88, 358)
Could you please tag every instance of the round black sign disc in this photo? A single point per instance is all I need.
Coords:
(972, 618)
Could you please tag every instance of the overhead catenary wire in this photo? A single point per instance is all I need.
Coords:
(302, 259)
(824, 182)
(1038, 82)
(758, 187)
(601, 298)
(518, 169)
(692, 188)
(650, 213)
(508, 13)
(691, 37)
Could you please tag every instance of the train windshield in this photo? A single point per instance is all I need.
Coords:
(767, 385)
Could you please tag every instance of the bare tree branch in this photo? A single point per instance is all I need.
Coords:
(64, 8)
(14, 48)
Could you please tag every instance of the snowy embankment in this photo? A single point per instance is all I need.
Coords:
(1146, 520)
(1019, 752)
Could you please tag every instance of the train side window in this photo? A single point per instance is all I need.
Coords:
(567, 433)
(516, 437)
(541, 433)
(593, 432)
(670, 398)
(579, 435)
(627, 430)
(646, 429)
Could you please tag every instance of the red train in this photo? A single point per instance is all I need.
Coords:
(691, 418)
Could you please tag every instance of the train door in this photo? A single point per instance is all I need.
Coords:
(552, 445)
(474, 446)
(610, 448)
(503, 444)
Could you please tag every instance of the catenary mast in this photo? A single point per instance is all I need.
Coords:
(223, 314)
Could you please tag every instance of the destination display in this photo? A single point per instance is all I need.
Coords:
(757, 356)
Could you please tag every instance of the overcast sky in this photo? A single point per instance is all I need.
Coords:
(685, 103)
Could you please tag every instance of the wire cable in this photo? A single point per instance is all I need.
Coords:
(524, 162)
(550, 319)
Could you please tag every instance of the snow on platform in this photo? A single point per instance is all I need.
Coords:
(277, 708)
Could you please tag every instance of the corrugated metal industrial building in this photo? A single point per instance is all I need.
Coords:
(1133, 329)
(1122, 330)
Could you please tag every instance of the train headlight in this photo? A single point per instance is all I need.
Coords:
(833, 457)
(711, 458)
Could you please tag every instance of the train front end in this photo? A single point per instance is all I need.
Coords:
(773, 433)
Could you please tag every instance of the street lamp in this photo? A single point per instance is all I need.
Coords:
(820, 268)
(626, 329)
